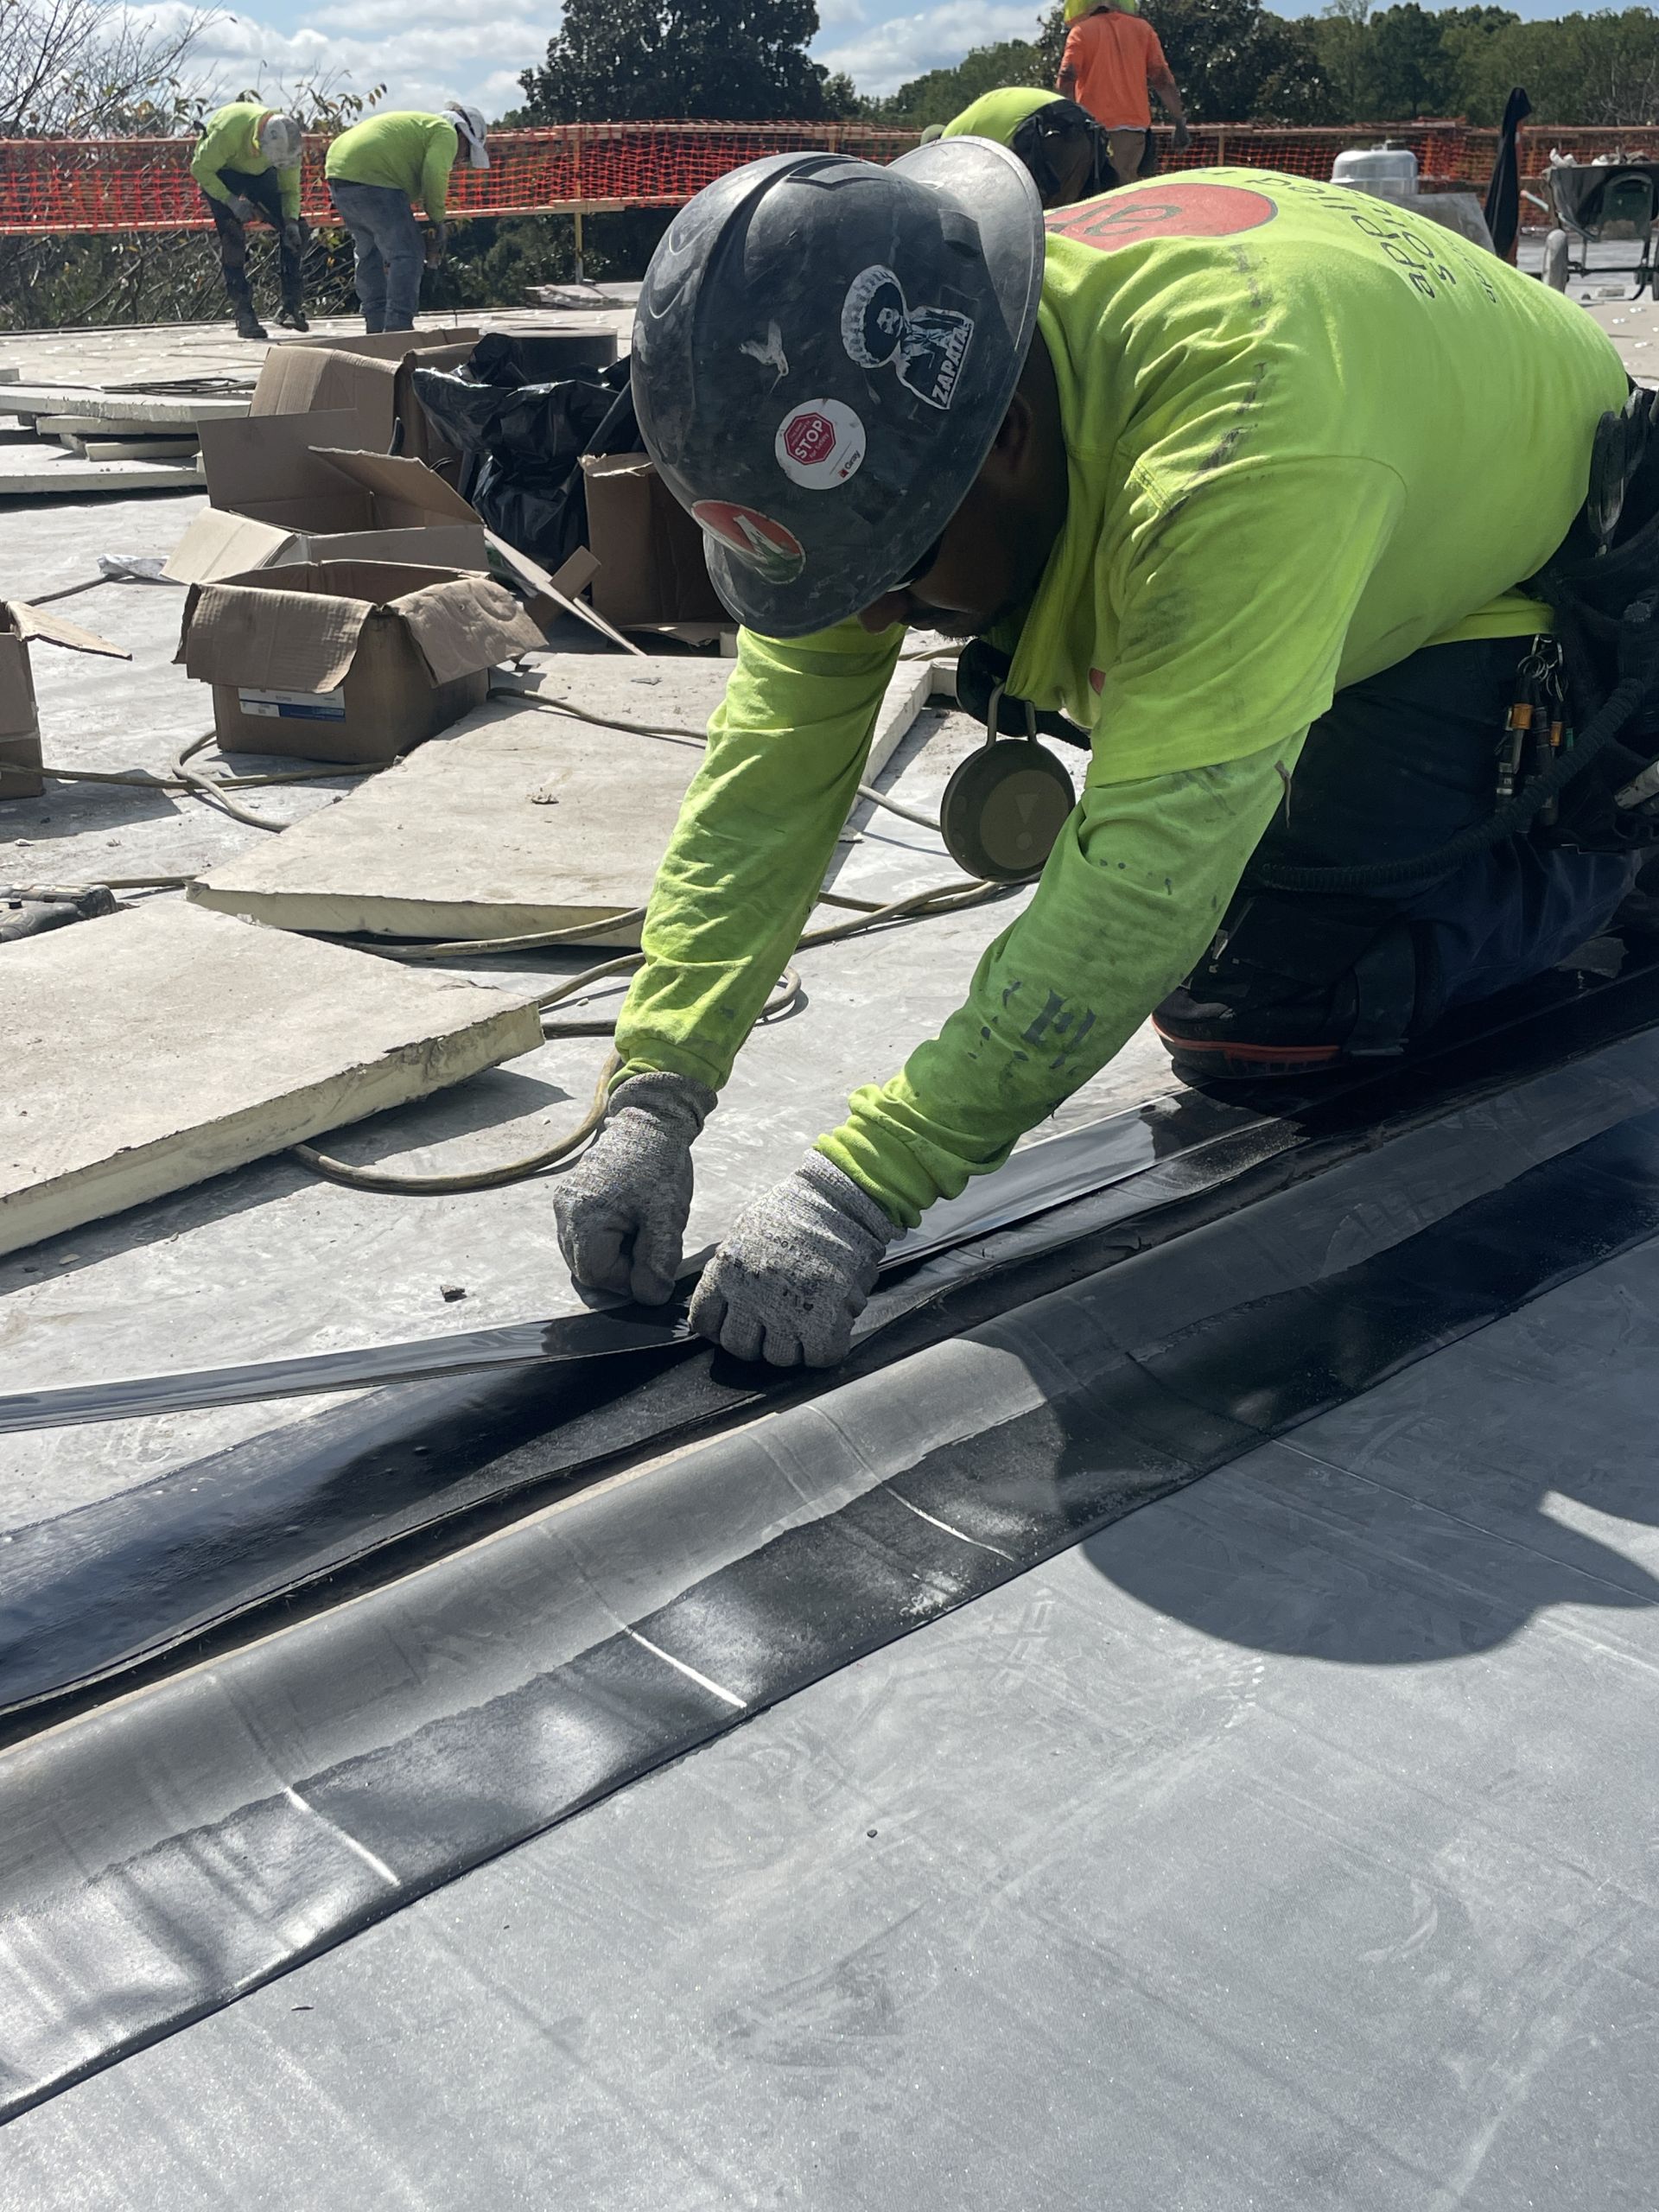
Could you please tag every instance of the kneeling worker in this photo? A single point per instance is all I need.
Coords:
(375, 172)
(1066, 151)
(1239, 471)
(247, 162)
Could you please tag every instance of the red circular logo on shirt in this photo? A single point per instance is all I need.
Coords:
(1163, 210)
(761, 542)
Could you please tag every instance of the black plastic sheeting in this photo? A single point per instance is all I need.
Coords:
(109, 1586)
(166, 1854)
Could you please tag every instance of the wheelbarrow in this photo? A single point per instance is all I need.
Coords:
(1600, 203)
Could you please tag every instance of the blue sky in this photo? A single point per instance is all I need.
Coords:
(425, 51)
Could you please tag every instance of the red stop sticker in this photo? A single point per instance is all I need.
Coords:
(1163, 210)
(775, 554)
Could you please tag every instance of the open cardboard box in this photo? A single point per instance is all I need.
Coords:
(286, 487)
(372, 377)
(347, 660)
(651, 572)
(20, 727)
(289, 488)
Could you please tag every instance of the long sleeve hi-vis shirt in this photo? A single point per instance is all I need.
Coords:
(230, 141)
(1307, 434)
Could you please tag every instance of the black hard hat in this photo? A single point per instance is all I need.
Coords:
(824, 351)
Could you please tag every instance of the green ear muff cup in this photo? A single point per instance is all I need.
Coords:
(1003, 808)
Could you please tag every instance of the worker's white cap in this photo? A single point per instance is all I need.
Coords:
(282, 140)
(469, 121)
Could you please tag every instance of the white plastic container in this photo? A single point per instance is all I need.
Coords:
(1386, 172)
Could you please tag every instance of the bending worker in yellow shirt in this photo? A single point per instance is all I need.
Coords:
(1239, 472)
(247, 162)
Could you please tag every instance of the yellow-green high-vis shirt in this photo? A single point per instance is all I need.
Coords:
(230, 141)
(1308, 432)
(410, 152)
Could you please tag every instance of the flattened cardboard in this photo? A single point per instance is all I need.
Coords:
(371, 375)
(20, 733)
(347, 660)
(652, 570)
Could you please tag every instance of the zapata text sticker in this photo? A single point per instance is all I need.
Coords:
(926, 347)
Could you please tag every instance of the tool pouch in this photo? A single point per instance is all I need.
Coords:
(1607, 562)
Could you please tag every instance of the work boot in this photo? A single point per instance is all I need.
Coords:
(1208, 1041)
(248, 325)
(292, 319)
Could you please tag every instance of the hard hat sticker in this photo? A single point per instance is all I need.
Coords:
(926, 347)
(820, 443)
(776, 556)
(1163, 210)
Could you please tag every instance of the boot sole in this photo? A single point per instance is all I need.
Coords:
(1215, 1061)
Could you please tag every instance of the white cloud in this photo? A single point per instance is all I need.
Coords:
(906, 45)
(832, 12)
(418, 49)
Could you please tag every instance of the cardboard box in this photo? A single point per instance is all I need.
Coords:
(347, 660)
(370, 376)
(292, 488)
(652, 572)
(19, 728)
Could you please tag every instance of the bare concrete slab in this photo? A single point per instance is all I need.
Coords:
(519, 820)
(149, 1051)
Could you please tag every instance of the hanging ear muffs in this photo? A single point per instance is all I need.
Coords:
(1007, 804)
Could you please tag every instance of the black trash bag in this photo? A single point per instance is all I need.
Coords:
(521, 444)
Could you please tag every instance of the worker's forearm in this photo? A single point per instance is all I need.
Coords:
(1066, 85)
(1169, 98)
(1134, 892)
(748, 857)
(288, 187)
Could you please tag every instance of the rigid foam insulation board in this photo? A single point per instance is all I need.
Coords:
(46, 471)
(86, 403)
(155, 1048)
(515, 821)
(97, 448)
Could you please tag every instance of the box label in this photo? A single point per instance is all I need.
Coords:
(295, 706)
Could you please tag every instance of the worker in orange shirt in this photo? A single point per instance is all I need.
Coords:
(1112, 60)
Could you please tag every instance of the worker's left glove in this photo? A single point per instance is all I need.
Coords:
(437, 243)
(797, 1270)
(1183, 138)
(296, 236)
(242, 207)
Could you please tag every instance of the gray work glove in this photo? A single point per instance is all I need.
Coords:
(243, 209)
(797, 1270)
(621, 1209)
(296, 236)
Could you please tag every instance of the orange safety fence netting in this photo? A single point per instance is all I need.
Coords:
(68, 187)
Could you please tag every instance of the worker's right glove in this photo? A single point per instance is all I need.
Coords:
(437, 242)
(296, 236)
(621, 1209)
(243, 209)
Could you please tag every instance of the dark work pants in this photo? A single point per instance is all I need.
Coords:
(266, 195)
(1400, 764)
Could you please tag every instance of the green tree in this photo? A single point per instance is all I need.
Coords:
(1598, 70)
(717, 60)
(1237, 62)
(1393, 64)
(941, 93)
